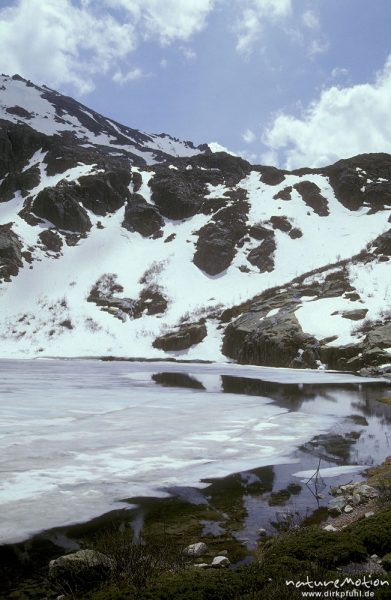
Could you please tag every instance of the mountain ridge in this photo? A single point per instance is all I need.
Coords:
(117, 242)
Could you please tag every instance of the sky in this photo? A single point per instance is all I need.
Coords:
(285, 82)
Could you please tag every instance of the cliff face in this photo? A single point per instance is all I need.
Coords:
(118, 242)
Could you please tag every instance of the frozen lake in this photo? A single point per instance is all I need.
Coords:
(79, 437)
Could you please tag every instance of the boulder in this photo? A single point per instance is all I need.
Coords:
(336, 505)
(196, 550)
(183, 338)
(220, 561)
(81, 569)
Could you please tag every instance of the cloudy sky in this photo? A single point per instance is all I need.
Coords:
(285, 82)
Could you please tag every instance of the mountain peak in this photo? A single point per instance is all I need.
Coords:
(51, 113)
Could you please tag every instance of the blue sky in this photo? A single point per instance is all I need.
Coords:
(286, 82)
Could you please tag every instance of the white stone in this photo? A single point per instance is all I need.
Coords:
(201, 565)
(348, 508)
(220, 561)
(196, 550)
(369, 514)
(261, 531)
(330, 528)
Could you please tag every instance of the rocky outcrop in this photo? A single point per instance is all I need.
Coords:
(104, 193)
(10, 253)
(277, 341)
(142, 217)
(50, 240)
(362, 179)
(151, 300)
(60, 206)
(218, 240)
(182, 338)
(312, 197)
(263, 255)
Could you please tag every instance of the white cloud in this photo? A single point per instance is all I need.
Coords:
(58, 43)
(318, 46)
(120, 77)
(188, 53)
(310, 19)
(248, 136)
(254, 17)
(61, 42)
(339, 73)
(343, 122)
(168, 20)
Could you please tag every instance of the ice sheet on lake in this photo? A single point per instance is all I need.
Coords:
(331, 472)
(78, 437)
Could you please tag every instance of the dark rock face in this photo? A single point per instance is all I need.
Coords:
(178, 195)
(104, 192)
(355, 315)
(263, 256)
(382, 244)
(271, 175)
(186, 336)
(51, 240)
(349, 180)
(61, 207)
(295, 233)
(281, 223)
(311, 195)
(23, 181)
(218, 240)
(259, 232)
(284, 194)
(10, 253)
(142, 217)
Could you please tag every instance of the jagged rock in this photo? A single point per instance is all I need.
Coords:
(82, 568)
(60, 207)
(348, 509)
(336, 505)
(142, 217)
(10, 253)
(259, 232)
(186, 336)
(311, 195)
(51, 240)
(196, 550)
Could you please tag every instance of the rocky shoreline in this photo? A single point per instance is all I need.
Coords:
(99, 562)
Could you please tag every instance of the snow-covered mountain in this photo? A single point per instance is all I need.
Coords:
(115, 242)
